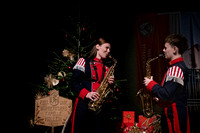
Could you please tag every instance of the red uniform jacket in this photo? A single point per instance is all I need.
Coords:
(173, 97)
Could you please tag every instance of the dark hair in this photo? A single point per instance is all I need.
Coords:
(93, 52)
(179, 41)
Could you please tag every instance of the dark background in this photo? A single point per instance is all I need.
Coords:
(36, 31)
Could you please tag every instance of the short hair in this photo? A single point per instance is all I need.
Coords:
(179, 41)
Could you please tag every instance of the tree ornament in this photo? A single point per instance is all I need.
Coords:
(65, 53)
(62, 74)
(50, 80)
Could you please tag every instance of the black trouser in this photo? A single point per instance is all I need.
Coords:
(182, 115)
(89, 122)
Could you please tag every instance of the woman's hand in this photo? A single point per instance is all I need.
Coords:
(93, 96)
(111, 79)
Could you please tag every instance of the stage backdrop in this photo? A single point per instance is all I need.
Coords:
(151, 30)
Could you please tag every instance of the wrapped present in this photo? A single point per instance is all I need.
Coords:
(144, 121)
(146, 124)
(129, 117)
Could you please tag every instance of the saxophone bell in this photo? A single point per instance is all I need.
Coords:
(146, 97)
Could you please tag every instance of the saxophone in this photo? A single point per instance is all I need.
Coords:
(145, 96)
(104, 90)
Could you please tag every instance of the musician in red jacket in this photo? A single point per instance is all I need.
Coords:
(88, 74)
(172, 93)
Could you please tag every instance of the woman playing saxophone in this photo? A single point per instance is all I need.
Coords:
(88, 73)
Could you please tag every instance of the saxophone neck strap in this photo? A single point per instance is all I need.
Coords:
(95, 69)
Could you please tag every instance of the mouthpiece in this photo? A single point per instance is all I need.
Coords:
(161, 55)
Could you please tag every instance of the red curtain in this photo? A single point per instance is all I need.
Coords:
(151, 30)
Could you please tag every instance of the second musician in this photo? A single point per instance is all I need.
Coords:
(172, 92)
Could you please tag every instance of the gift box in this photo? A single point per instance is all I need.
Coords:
(146, 123)
(143, 121)
(129, 117)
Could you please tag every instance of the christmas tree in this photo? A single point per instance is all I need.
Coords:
(78, 36)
